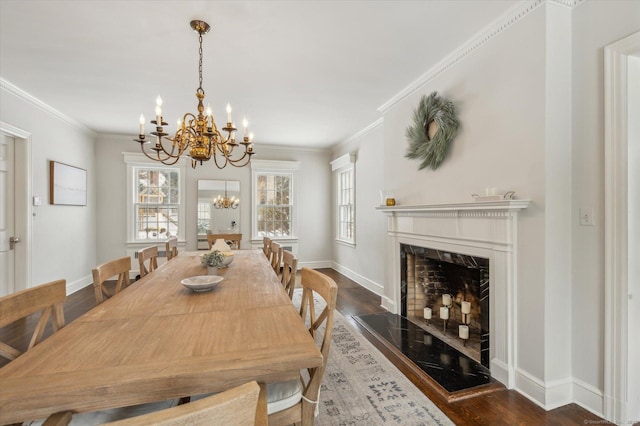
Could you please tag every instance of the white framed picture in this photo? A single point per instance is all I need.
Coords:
(67, 184)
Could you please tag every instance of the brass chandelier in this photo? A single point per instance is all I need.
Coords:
(197, 135)
(225, 202)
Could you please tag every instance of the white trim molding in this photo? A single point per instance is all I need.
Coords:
(616, 229)
(365, 282)
(26, 97)
(508, 19)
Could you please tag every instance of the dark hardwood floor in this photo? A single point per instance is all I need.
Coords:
(498, 407)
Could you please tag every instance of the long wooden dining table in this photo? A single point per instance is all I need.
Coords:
(158, 340)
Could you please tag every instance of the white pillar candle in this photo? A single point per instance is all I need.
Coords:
(444, 313)
(466, 307)
(463, 331)
(427, 313)
(489, 192)
(446, 299)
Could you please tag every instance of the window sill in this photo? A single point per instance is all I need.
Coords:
(346, 243)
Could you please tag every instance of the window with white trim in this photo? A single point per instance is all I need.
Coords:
(274, 199)
(346, 206)
(343, 168)
(155, 206)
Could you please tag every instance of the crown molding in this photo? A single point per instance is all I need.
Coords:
(567, 3)
(379, 122)
(515, 14)
(26, 97)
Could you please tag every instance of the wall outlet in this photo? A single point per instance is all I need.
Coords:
(586, 216)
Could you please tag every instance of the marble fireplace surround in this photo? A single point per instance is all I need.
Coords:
(483, 229)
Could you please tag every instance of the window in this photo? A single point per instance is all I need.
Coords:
(343, 168)
(157, 203)
(155, 200)
(274, 198)
(346, 211)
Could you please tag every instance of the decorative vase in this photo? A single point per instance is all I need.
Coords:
(212, 270)
(221, 245)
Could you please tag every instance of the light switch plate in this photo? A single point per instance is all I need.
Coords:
(37, 201)
(586, 216)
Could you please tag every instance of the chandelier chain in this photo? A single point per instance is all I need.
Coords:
(200, 63)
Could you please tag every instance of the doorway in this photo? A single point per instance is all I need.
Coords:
(15, 209)
(622, 205)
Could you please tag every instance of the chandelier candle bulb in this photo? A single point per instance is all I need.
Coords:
(446, 299)
(229, 113)
(444, 313)
(141, 124)
(466, 307)
(427, 313)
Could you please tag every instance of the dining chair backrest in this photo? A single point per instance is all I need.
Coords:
(233, 239)
(266, 246)
(313, 283)
(171, 247)
(289, 268)
(236, 406)
(46, 298)
(276, 256)
(149, 254)
(102, 273)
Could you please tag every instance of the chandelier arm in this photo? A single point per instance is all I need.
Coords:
(157, 157)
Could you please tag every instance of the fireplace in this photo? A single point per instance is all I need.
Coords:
(485, 233)
(429, 278)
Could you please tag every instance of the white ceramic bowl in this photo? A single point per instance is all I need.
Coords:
(228, 258)
(202, 282)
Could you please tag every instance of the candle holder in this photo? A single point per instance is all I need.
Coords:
(463, 329)
(447, 303)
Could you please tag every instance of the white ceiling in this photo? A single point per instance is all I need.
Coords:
(305, 73)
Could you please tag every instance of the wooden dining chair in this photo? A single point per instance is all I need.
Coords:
(102, 273)
(171, 247)
(233, 240)
(238, 406)
(149, 254)
(46, 298)
(276, 256)
(289, 268)
(296, 400)
(266, 246)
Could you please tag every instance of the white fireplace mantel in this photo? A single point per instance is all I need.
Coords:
(480, 206)
(486, 229)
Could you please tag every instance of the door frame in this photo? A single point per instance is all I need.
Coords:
(616, 283)
(23, 206)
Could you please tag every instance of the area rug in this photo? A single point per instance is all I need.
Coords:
(362, 387)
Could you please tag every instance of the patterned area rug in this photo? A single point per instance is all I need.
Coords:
(362, 387)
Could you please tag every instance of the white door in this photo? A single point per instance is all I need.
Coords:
(7, 209)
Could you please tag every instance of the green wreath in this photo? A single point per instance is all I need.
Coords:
(432, 112)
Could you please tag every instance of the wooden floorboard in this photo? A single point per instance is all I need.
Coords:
(501, 407)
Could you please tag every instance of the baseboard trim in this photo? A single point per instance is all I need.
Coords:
(530, 387)
(318, 264)
(77, 285)
(388, 304)
(558, 393)
(588, 397)
(362, 280)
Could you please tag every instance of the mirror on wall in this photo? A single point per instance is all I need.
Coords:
(218, 208)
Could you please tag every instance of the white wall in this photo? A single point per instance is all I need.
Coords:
(499, 90)
(63, 237)
(530, 103)
(595, 25)
(364, 262)
(314, 183)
